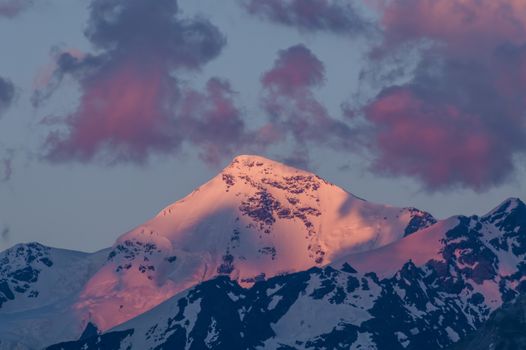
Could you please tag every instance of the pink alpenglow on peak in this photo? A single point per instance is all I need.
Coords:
(256, 219)
(419, 248)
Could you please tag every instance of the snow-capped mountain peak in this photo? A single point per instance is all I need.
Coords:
(256, 219)
(267, 255)
(425, 291)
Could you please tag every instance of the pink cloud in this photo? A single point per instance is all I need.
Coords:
(437, 143)
(290, 102)
(458, 120)
(124, 111)
(12, 8)
(461, 26)
(211, 118)
(132, 104)
(296, 69)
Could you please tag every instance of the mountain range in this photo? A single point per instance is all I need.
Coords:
(505, 329)
(271, 257)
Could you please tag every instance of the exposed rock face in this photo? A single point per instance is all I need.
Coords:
(254, 220)
(401, 296)
(505, 330)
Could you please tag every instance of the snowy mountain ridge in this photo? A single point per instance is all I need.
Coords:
(474, 264)
(255, 225)
(256, 219)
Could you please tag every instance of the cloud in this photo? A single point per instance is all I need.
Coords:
(49, 76)
(124, 113)
(211, 118)
(12, 8)
(296, 69)
(448, 80)
(6, 164)
(7, 94)
(5, 233)
(458, 119)
(132, 102)
(291, 106)
(460, 27)
(299, 158)
(335, 16)
(436, 141)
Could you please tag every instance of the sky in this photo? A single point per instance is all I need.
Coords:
(112, 109)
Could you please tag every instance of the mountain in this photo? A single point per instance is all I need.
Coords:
(38, 281)
(255, 220)
(428, 290)
(505, 330)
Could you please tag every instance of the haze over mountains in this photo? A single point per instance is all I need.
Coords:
(269, 256)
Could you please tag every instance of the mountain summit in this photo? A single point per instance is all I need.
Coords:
(269, 256)
(429, 290)
(256, 219)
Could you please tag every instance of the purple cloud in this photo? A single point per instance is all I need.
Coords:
(290, 103)
(12, 8)
(132, 104)
(5, 233)
(211, 118)
(6, 164)
(459, 119)
(7, 94)
(335, 16)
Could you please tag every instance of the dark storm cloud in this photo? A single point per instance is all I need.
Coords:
(132, 104)
(7, 94)
(335, 16)
(460, 119)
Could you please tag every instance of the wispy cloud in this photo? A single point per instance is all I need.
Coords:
(7, 94)
(291, 105)
(12, 8)
(335, 16)
(5, 232)
(6, 164)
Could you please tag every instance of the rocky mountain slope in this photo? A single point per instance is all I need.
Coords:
(255, 220)
(505, 329)
(39, 284)
(406, 295)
